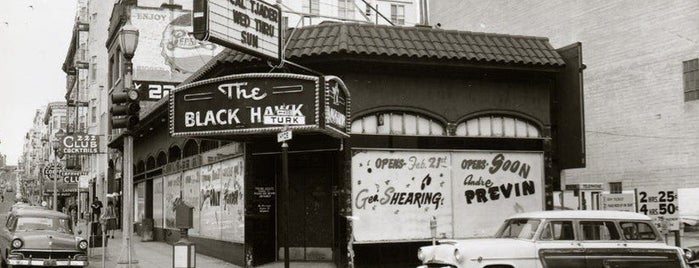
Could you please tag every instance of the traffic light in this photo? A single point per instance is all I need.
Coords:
(125, 108)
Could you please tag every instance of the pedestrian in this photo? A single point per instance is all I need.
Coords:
(73, 210)
(109, 218)
(96, 209)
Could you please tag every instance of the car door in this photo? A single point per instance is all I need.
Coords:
(643, 248)
(558, 246)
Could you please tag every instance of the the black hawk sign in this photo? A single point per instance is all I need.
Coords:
(256, 103)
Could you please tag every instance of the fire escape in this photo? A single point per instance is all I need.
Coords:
(76, 68)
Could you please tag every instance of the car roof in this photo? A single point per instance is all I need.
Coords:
(581, 214)
(39, 211)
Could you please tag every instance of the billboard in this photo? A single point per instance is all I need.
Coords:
(166, 52)
(470, 193)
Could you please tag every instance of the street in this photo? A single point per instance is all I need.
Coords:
(148, 254)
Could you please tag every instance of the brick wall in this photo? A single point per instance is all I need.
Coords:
(639, 130)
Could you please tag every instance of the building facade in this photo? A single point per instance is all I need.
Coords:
(444, 125)
(33, 157)
(641, 109)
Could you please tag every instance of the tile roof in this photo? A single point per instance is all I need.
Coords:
(414, 43)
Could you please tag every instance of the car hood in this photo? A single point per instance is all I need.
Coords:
(477, 249)
(47, 240)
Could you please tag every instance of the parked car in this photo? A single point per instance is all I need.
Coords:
(561, 239)
(40, 237)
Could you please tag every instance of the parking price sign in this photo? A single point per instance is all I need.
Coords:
(661, 206)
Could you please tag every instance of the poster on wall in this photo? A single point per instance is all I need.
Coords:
(232, 201)
(490, 186)
(158, 202)
(396, 193)
(172, 186)
(210, 201)
(190, 194)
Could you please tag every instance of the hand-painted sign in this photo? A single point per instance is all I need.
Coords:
(250, 104)
(167, 53)
(250, 26)
(494, 185)
(80, 144)
(661, 206)
(395, 194)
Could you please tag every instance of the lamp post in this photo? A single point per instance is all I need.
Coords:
(128, 41)
(55, 145)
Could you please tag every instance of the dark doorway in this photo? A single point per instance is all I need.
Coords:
(311, 176)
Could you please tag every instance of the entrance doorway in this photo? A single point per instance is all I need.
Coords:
(311, 229)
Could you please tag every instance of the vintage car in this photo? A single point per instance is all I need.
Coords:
(40, 237)
(561, 239)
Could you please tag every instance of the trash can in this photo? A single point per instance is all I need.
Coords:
(147, 230)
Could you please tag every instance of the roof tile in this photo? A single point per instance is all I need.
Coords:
(410, 42)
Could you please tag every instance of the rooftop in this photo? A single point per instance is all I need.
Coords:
(413, 42)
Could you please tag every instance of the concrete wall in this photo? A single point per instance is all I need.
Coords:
(639, 129)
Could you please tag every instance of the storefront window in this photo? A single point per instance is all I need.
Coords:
(140, 202)
(190, 192)
(497, 126)
(398, 123)
(158, 202)
(172, 189)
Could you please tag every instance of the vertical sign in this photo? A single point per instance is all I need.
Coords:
(661, 205)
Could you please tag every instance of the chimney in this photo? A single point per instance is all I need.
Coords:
(424, 14)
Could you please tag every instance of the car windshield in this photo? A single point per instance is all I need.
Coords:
(40, 223)
(518, 228)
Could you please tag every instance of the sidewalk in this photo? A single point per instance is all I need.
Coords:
(149, 254)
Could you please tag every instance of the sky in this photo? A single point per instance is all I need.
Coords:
(34, 40)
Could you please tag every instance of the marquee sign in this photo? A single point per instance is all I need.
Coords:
(250, 26)
(259, 103)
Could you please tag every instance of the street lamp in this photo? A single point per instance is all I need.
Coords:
(55, 145)
(128, 42)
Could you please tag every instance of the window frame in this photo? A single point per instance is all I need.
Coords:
(548, 223)
(396, 18)
(603, 221)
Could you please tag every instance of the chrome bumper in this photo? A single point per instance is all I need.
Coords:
(47, 262)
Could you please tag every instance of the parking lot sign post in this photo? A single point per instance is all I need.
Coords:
(282, 137)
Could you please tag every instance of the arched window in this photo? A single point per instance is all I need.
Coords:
(150, 163)
(398, 123)
(498, 125)
(174, 153)
(140, 167)
(207, 145)
(190, 148)
(161, 160)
